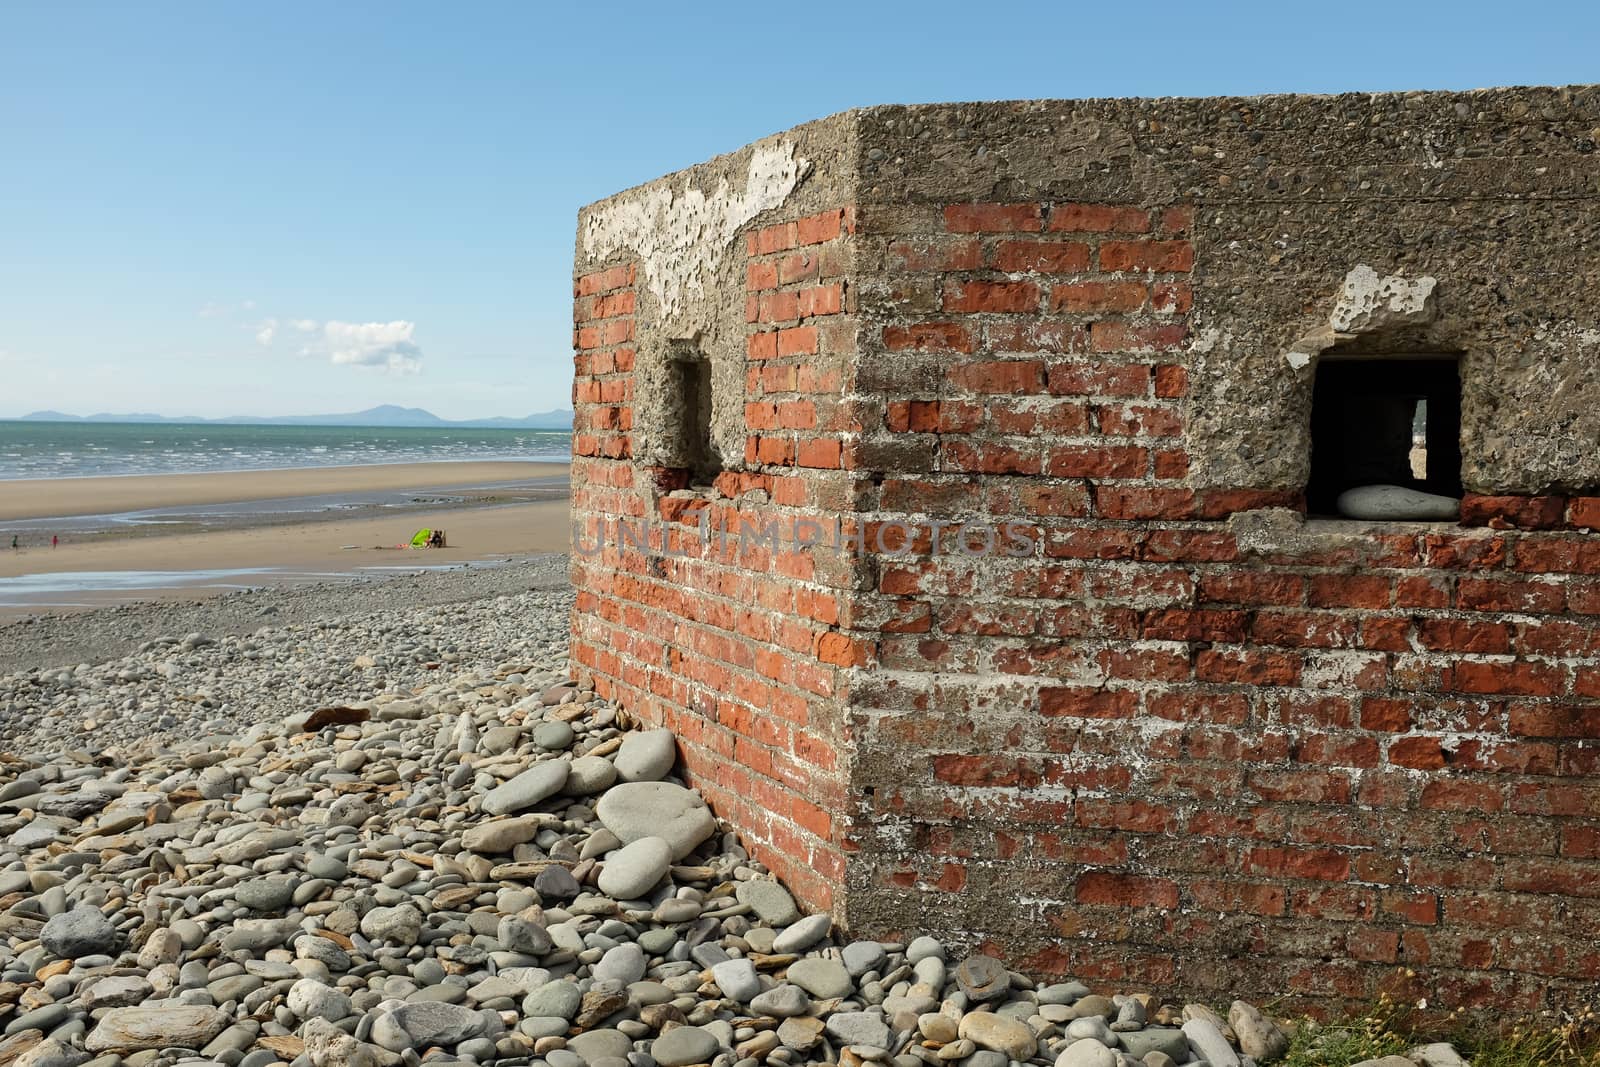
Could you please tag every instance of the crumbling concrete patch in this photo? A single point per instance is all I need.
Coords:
(1368, 302)
(681, 238)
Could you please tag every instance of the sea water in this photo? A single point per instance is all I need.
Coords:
(80, 450)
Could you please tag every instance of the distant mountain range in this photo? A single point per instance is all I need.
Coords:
(383, 415)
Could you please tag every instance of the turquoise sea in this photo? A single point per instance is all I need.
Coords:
(77, 450)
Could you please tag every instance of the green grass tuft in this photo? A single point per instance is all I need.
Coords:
(1388, 1030)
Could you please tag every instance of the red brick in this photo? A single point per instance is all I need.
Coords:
(797, 415)
(1089, 461)
(1482, 594)
(988, 458)
(1388, 634)
(1171, 464)
(1251, 587)
(1099, 218)
(1348, 591)
(1171, 381)
(1455, 635)
(1373, 945)
(1418, 753)
(1077, 702)
(992, 218)
(1584, 512)
(1319, 864)
(913, 416)
(932, 254)
(1100, 379)
(797, 341)
(1129, 502)
(776, 238)
(1098, 296)
(1139, 420)
(1221, 503)
(1209, 625)
(1248, 898)
(1178, 218)
(762, 346)
(1581, 842)
(1010, 377)
(1426, 592)
(1230, 709)
(1303, 629)
(1037, 335)
(1248, 667)
(1388, 715)
(1126, 337)
(819, 452)
(981, 770)
(1069, 499)
(971, 297)
(1503, 512)
(1042, 257)
(1556, 720)
(1444, 795)
(797, 267)
(929, 337)
(1126, 890)
(1579, 554)
(604, 281)
(1158, 256)
(1517, 678)
(1171, 298)
(821, 300)
(1136, 816)
(778, 307)
(841, 650)
(817, 229)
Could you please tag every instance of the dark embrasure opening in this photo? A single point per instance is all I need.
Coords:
(1384, 422)
(689, 379)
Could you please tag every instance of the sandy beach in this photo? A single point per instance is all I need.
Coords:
(53, 497)
(474, 533)
(249, 546)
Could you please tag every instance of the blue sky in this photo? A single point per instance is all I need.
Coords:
(283, 207)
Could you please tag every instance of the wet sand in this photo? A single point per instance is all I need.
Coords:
(54, 497)
(264, 546)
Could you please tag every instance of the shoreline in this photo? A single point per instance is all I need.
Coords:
(443, 461)
(203, 535)
(95, 573)
(114, 494)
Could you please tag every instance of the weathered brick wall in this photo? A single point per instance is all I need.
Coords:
(1188, 739)
(1164, 751)
(734, 642)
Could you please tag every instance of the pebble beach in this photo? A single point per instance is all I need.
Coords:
(376, 825)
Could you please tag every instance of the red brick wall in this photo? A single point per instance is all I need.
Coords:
(740, 646)
(1175, 747)
(1161, 753)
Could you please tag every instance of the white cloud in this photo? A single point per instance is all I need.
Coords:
(386, 345)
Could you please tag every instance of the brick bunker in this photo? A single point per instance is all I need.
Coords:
(1155, 715)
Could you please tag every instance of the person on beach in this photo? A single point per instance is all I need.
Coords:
(13, 542)
(54, 540)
